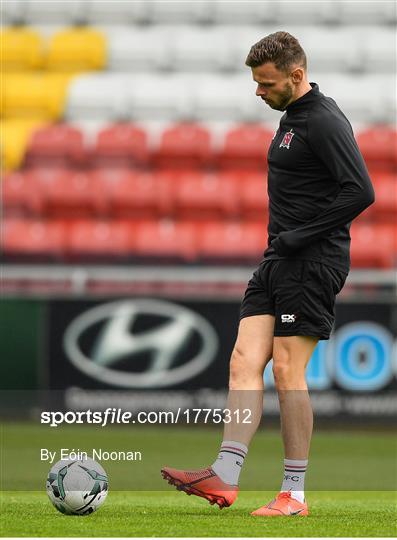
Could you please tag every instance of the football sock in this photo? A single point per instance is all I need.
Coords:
(294, 478)
(230, 461)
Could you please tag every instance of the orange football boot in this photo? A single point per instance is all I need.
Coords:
(203, 483)
(283, 505)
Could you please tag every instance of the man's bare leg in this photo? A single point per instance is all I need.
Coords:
(290, 357)
(252, 351)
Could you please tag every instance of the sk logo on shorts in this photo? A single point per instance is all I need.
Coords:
(287, 139)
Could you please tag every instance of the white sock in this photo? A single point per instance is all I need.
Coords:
(230, 461)
(294, 478)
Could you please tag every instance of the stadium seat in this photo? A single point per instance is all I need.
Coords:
(252, 189)
(61, 12)
(38, 239)
(245, 147)
(232, 242)
(15, 136)
(184, 146)
(178, 12)
(231, 99)
(99, 240)
(34, 95)
(247, 12)
(201, 196)
(191, 49)
(20, 195)
(99, 97)
(374, 105)
(134, 195)
(167, 240)
(369, 13)
(379, 147)
(58, 145)
(160, 98)
(331, 49)
(75, 49)
(117, 12)
(385, 207)
(120, 145)
(373, 246)
(138, 48)
(378, 53)
(22, 49)
(311, 13)
(70, 194)
(13, 13)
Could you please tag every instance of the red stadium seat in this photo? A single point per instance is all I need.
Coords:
(184, 146)
(385, 207)
(135, 195)
(25, 238)
(232, 241)
(379, 147)
(71, 194)
(120, 145)
(166, 239)
(104, 239)
(21, 196)
(245, 147)
(206, 196)
(373, 245)
(252, 188)
(58, 145)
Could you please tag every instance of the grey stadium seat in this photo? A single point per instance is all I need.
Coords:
(137, 48)
(100, 97)
(171, 12)
(61, 12)
(159, 97)
(248, 12)
(201, 49)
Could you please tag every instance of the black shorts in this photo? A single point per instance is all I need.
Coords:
(300, 294)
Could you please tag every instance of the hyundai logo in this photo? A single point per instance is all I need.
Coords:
(141, 343)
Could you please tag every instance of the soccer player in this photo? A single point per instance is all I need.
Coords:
(317, 184)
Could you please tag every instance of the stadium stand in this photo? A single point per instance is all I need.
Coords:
(23, 240)
(167, 240)
(39, 94)
(138, 195)
(120, 145)
(184, 146)
(206, 196)
(77, 49)
(57, 145)
(244, 147)
(126, 138)
(234, 242)
(16, 135)
(97, 240)
(22, 49)
(373, 246)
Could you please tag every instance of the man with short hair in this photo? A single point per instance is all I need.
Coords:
(317, 184)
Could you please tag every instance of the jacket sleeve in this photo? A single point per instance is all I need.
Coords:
(331, 138)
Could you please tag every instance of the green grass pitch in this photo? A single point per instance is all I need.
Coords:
(351, 514)
(351, 485)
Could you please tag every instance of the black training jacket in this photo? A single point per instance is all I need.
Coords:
(317, 183)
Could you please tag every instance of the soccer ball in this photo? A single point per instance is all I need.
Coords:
(77, 487)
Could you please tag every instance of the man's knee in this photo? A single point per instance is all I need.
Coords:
(283, 371)
(288, 370)
(246, 368)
